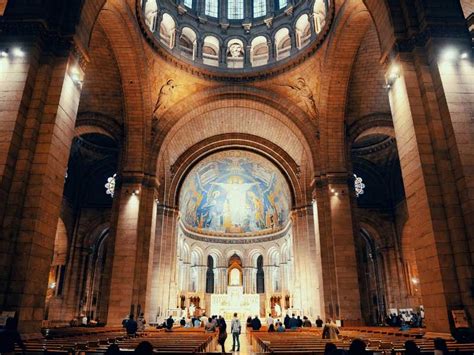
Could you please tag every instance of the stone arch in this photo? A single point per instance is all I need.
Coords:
(350, 26)
(199, 151)
(125, 38)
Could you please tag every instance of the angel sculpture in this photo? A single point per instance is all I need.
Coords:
(303, 91)
(166, 92)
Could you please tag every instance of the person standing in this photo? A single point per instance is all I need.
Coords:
(235, 328)
(319, 322)
(270, 320)
(131, 326)
(222, 326)
(169, 323)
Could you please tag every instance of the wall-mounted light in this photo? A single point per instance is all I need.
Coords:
(464, 55)
(4, 53)
(135, 192)
(18, 52)
(76, 77)
(414, 281)
(392, 76)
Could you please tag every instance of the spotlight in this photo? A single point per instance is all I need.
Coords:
(333, 191)
(414, 280)
(450, 54)
(135, 192)
(76, 76)
(4, 53)
(464, 55)
(336, 194)
(18, 52)
(394, 73)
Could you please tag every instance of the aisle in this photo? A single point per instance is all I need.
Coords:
(245, 348)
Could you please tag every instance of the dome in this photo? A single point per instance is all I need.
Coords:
(235, 36)
(235, 193)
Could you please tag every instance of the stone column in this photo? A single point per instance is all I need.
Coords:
(339, 264)
(133, 247)
(38, 107)
(164, 261)
(431, 103)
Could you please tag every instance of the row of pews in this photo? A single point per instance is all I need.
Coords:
(308, 341)
(96, 342)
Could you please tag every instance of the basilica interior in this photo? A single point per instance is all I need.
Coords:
(187, 157)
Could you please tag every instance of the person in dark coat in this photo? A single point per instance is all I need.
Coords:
(357, 347)
(169, 323)
(144, 348)
(131, 326)
(222, 326)
(286, 321)
(9, 336)
(299, 322)
(319, 322)
(411, 348)
(293, 322)
(256, 324)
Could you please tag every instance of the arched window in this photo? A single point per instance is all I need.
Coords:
(167, 30)
(210, 275)
(259, 8)
(319, 10)
(212, 8)
(187, 43)
(282, 43)
(235, 9)
(260, 275)
(303, 31)
(259, 51)
(282, 4)
(151, 13)
(210, 51)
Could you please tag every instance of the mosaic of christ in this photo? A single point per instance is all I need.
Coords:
(235, 192)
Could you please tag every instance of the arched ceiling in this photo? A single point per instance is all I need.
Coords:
(238, 118)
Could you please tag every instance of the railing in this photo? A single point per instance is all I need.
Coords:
(283, 53)
(187, 52)
(235, 62)
(210, 59)
(260, 59)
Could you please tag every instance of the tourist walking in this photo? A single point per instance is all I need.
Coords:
(235, 328)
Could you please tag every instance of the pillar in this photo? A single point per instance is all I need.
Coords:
(133, 247)
(38, 108)
(430, 103)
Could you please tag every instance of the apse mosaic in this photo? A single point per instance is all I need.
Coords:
(235, 192)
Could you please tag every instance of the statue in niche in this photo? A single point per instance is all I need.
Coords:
(277, 310)
(192, 309)
(235, 50)
(166, 92)
(305, 94)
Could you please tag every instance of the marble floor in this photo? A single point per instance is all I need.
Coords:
(245, 348)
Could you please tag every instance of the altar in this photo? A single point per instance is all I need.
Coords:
(235, 301)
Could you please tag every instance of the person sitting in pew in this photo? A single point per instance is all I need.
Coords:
(113, 349)
(271, 328)
(169, 323)
(9, 336)
(357, 347)
(280, 328)
(306, 322)
(411, 348)
(256, 324)
(440, 347)
(182, 322)
(330, 348)
(144, 348)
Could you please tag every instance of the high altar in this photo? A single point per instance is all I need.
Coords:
(235, 301)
